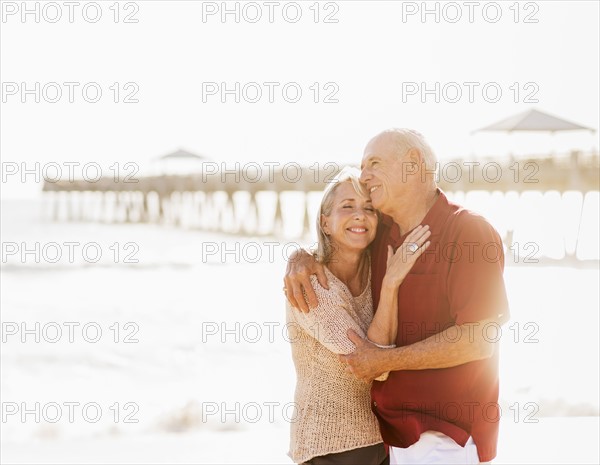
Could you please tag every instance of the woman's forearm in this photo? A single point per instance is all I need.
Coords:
(384, 327)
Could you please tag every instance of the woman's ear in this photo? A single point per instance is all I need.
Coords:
(324, 226)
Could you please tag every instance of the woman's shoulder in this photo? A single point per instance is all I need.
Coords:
(336, 295)
(336, 292)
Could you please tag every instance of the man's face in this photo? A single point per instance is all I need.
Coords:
(382, 172)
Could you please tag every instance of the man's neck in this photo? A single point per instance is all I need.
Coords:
(408, 220)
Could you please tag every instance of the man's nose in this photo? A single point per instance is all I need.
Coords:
(364, 175)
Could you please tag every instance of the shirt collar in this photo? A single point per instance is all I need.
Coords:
(434, 218)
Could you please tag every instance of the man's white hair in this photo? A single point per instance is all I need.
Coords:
(407, 139)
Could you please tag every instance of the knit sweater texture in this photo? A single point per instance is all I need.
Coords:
(333, 407)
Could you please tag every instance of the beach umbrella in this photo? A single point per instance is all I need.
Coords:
(534, 120)
(181, 154)
(178, 162)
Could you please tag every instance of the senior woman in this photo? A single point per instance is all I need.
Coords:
(334, 422)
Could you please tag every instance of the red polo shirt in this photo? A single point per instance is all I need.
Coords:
(458, 280)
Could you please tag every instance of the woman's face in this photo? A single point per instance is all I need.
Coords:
(352, 223)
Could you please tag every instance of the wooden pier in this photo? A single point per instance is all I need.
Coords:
(210, 198)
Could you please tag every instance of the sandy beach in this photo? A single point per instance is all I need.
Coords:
(551, 441)
(206, 338)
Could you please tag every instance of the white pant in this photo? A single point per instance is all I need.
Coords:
(435, 447)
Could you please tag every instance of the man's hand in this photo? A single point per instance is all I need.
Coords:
(296, 282)
(365, 362)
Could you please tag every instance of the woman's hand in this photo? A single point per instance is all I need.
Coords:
(400, 263)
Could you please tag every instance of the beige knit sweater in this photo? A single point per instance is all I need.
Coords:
(333, 407)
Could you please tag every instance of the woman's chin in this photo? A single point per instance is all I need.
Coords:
(356, 245)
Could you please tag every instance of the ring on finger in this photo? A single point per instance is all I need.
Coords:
(412, 247)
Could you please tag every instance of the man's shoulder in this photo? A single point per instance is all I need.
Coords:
(462, 219)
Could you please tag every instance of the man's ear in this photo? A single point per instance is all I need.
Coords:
(414, 156)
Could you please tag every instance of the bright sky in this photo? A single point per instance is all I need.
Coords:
(370, 55)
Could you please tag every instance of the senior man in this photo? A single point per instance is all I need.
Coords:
(439, 403)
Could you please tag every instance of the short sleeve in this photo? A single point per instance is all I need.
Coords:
(329, 321)
(475, 280)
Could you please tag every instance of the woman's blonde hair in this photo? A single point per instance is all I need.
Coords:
(347, 174)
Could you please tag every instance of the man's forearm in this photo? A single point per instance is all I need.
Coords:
(454, 346)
